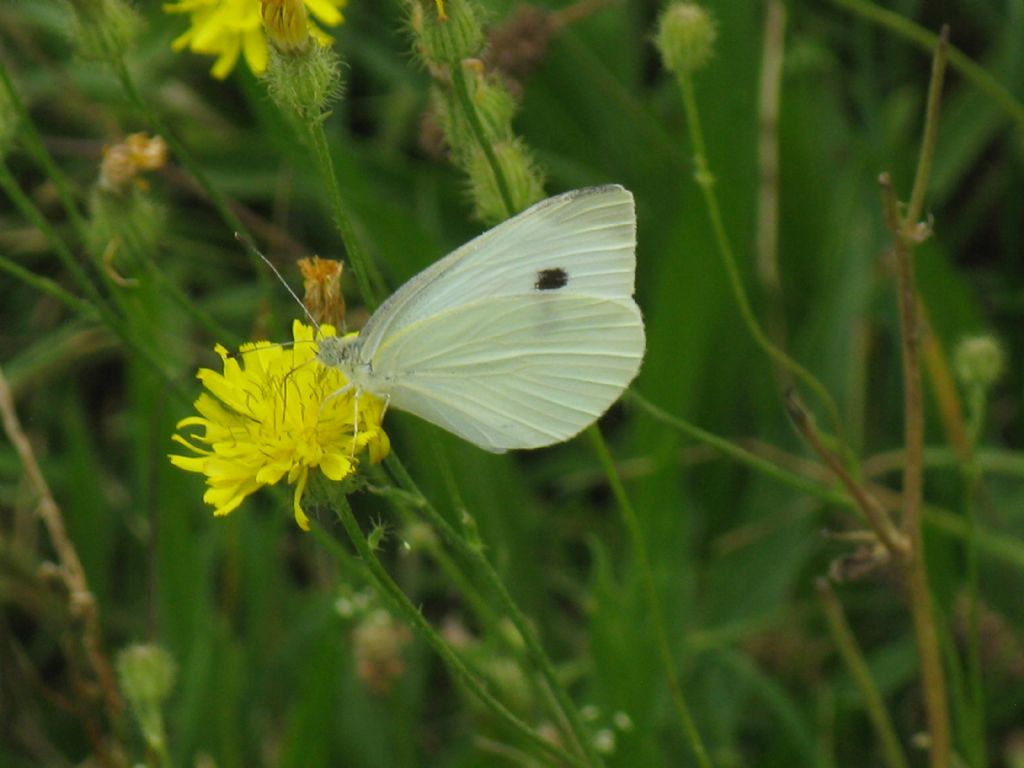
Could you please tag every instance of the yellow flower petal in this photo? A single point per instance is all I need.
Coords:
(276, 414)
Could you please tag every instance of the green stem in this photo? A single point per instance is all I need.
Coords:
(159, 126)
(493, 582)
(927, 41)
(29, 210)
(342, 219)
(705, 181)
(848, 648)
(997, 545)
(34, 144)
(931, 131)
(50, 288)
(632, 524)
(106, 314)
(740, 454)
(486, 613)
(466, 102)
(405, 607)
(972, 477)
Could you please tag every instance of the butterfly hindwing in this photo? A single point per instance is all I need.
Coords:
(519, 371)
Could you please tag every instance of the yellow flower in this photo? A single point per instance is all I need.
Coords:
(276, 413)
(229, 28)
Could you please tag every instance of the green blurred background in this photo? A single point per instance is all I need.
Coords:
(256, 613)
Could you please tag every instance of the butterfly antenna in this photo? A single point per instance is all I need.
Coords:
(251, 247)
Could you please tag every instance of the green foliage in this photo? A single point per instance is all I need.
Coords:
(264, 623)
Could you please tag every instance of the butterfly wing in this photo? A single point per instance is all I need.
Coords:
(581, 242)
(518, 371)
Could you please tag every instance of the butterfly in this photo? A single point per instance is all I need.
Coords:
(519, 339)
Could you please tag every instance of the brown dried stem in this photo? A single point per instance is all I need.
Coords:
(877, 516)
(907, 232)
(81, 601)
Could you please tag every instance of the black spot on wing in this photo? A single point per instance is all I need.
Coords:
(551, 279)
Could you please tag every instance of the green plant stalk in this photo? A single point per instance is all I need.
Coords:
(37, 149)
(406, 608)
(107, 315)
(997, 545)
(705, 181)
(632, 524)
(466, 102)
(742, 455)
(159, 126)
(927, 41)
(972, 487)
(486, 613)
(342, 219)
(848, 648)
(35, 217)
(50, 288)
(475, 557)
(197, 313)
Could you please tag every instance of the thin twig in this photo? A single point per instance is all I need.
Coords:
(81, 601)
(907, 232)
(877, 516)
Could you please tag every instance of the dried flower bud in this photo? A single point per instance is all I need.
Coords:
(520, 42)
(323, 297)
(685, 38)
(123, 162)
(979, 361)
(378, 642)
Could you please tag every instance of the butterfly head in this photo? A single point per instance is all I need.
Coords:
(343, 353)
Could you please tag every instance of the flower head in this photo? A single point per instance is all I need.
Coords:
(229, 28)
(276, 413)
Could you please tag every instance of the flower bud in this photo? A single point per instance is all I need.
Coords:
(446, 32)
(104, 29)
(287, 25)
(525, 181)
(303, 81)
(979, 361)
(146, 674)
(685, 38)
(323, 298)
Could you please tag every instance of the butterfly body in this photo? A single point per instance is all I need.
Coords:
(518, 339)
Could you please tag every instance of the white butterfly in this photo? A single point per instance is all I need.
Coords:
(520, 338)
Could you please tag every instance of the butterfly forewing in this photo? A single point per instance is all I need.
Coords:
(588, 236)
